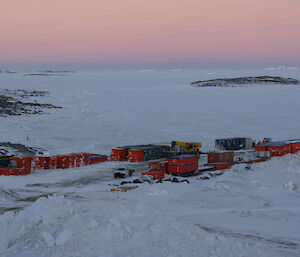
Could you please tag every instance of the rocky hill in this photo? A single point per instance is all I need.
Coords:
(227, 82)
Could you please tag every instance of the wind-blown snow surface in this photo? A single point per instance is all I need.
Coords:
(73, 213)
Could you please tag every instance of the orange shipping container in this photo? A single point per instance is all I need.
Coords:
(22, 162)
(135, 155)
(154, 174)
(118, 154)
(38, 163)
(161, 166)
(50, 163)
(295, 147)
(182, 159)
(13, 172)
(182, 168)
(62, 162)
(260, 148)
(215, 157)
(279, 150)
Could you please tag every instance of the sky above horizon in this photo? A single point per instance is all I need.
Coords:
(110, 31)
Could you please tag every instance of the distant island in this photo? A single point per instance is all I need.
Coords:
(227, 82)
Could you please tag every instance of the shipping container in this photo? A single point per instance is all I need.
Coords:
(182, 168)
(62, 162)
(250, 156)
(214, 157)
(155, 174)
(295, 147)
(183, 159)
(14, 171)
(136, 155)
(259, 148)
(279, 149)
(50, 163)
(97, 158)
(234, 144)
(161, 166)
(38, 163)
(4, 161)
(118, 154)
(21, 162)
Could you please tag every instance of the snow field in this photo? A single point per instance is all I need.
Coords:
(73, 213)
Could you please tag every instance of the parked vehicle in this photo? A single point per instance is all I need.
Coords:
(123, 172)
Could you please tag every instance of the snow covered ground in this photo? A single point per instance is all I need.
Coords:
(73, 213)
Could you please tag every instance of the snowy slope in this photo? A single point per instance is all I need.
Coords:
(73, 213)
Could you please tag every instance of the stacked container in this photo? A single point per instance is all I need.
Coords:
(279, 149)
(183, 165)
(161, 166)
(118, 154)
(295, 146)
(220, 157)
(155, 174)
(234, 144)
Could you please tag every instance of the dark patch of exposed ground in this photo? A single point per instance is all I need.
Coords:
(226, 82)
(12, 102)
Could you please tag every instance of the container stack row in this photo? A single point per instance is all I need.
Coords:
(22, 165)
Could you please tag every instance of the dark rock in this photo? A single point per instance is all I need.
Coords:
(227, 82)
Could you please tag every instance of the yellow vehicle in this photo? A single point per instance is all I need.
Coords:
(186, 147)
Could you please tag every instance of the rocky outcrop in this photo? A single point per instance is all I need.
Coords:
(12, 102)
(227, 82)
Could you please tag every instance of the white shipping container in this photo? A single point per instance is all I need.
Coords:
(248, 156)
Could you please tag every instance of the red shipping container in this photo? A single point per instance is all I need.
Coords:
(72, 160)
(260, 148)
(182, 168)
(118, 154)
(135, 155)
(4, 172)
(22, 162)
(38, 163)
(85, 158)
(279, 150)
(50, 162)
(13, 172)
(220, 157)
(182, 159)
(62, 162)
(160, 166)
(295, 147)
(154, 174)
(79, 159)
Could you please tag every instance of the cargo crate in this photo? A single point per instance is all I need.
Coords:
(279, 149)
(118, 154)
(214, 157)
(135, 155)
(234, 144)
(14, 171)
(295, 147)
(260, 148)
(183, 159)
(21, 162)
(161, 166)
(155, 174)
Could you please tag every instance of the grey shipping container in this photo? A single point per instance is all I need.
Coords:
(234, 144)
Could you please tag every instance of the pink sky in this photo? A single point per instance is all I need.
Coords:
(149, 30)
